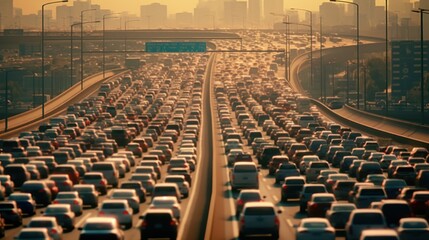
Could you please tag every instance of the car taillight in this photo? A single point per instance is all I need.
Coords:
(103, 182)
(76, 202)
(54, 231)
(125, 212)
(76, 174)
(314, 205)
(173, 223)
(65, 184)
(41, 190)
(101, 213)
(284, 187)
(55, 202)
(242, 221)
(277, 220)
(240, 202)
(330, 181)
(144, 224)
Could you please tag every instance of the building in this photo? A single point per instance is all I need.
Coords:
(271, 9)
(6, 14)
(254, 13)
(204, 17)
(235, 14)
(154, 14)
(184, 20)
(332, 14)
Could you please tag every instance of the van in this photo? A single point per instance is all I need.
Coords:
(109, 172)
(244, 175)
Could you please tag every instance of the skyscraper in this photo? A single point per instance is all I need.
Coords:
(6, 14)
(254, 13)
(272, 8)
(235, 13)
(154, 14)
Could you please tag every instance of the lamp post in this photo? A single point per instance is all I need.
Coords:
(43, 52)
(311, 41)
(348, 82)
(321, 60)
(105, 16)
(387, 58)
(126, 36)
(6, 98)
(287, 76)
(422, 73)
(81, 45)
(357, 46)
(71, 47)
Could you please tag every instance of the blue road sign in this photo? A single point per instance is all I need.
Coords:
(171, 47)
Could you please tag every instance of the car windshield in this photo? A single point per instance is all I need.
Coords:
(368, 218)
(40, 223)
(113, 206)
(66, 196)
(19, 197)
(315, 225)
(92, 177)
(122, 194)
(56, 210)
(250, 197)
(293, 181)
(31, 235)
(410, 224)
(256, 211)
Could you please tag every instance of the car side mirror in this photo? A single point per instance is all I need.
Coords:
(79, 228)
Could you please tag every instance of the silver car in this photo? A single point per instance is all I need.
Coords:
(119, 209)
(127, 194)
(55, 231)
(168, 202)
(98, 227)
(71, 198)
(259, 218)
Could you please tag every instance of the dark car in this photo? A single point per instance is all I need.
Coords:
(275, 162)
(25, 202)
(11, 214)
(68, 169)
(367, 168)
(39, 190)
(87, 193)
(18, 173)
(394, 210)
(158, 223)
(292, 188)
(267, 153)
(422, 179)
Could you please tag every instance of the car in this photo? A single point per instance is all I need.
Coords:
(55, 231)
(73, 199)
(7, 183)
(286, 169)
(244, 175)
(418, 202)
(274, 163)
(412, 228)
(97, 179)
(181, 182)
(88, 194)
(62, 181)
(376, 234)
(63, 213)
(259, 218)
(405, 172)
(292, 187)
(313, 170)
(361, 219)
(394, 210)
(119, 209)
(342, 188)
(159, 223)
(366, 195)
(339, 213)
(319, 204)
(377, 179)
(145, 179)
(11, 214)
(167, 202)
(25, 202)
(137, 186)
(315, 228)
(101, 228)
(127, 194)
(147, 169)
(393, 187)
(333, 178)
(307, 191)
(32, 233)
(39, 190)
(245, 196)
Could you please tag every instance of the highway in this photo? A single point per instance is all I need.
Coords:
(209, 211)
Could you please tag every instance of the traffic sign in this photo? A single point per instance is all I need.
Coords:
(170, 47)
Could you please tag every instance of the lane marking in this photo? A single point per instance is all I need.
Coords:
(139, 222)
(269, 187)
(289, 222)
(275, 198)
(82, 220)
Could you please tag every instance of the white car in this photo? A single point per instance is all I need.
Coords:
(96, 227)
(315, 228)
(232, 154)
(55, 231)
(119, 209)
(232, 144)
(167, 202)
(127, 194)
(181, 182)
(71, 198)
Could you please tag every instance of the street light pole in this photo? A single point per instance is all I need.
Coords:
(311, 42)
(43, 52)
(348, 83)
(126, 36)
(81, 45)
(422, 73)
(321, 60)
(357, 47)
(387, 59)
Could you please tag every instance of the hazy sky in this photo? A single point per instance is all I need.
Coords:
(132, 6)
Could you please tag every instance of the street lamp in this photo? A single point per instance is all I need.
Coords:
(321, 60)
(71, 47)
(287, 76)
(422, 73)
(126, 36)
(387, 58)
(357, 46)
(104, 29)
(43, 52)
(311, 41)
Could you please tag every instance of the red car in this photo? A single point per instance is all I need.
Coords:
(319, 204)
(418, 202)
